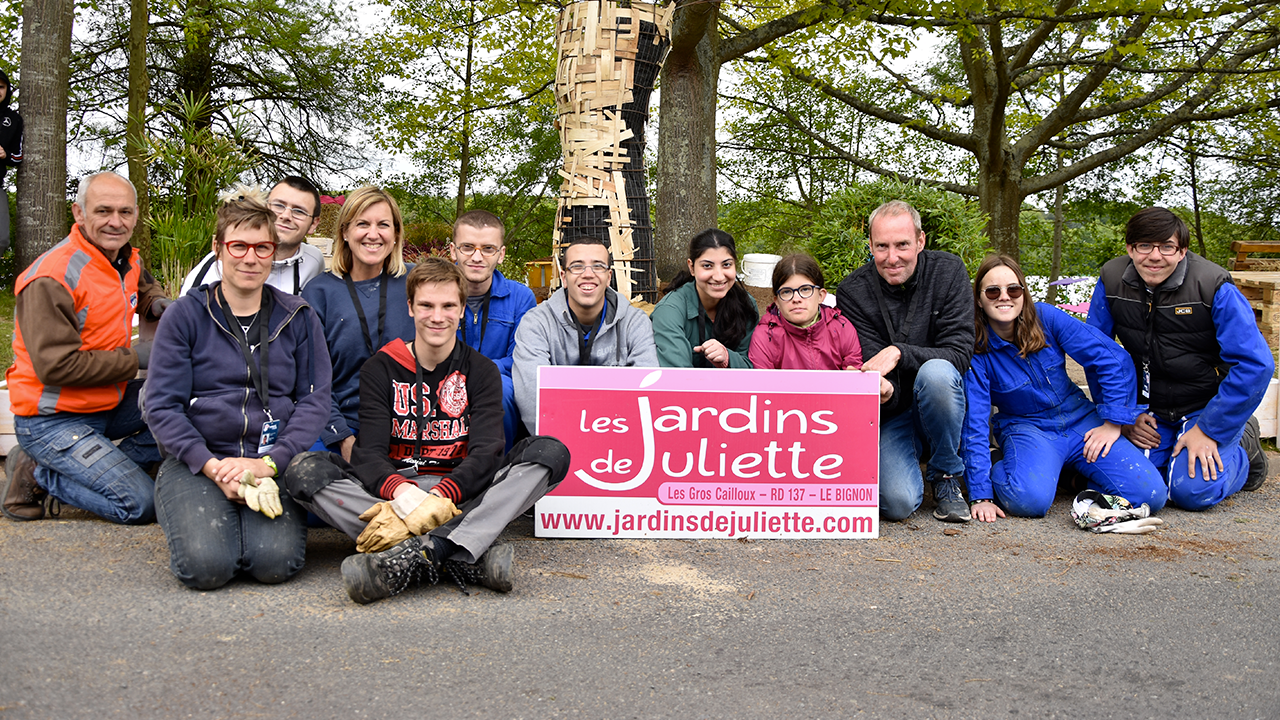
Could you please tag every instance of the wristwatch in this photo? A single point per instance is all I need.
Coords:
(271, 464)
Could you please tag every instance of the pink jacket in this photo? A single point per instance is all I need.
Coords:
(831, 343)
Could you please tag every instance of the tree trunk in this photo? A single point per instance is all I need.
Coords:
(195, 83)
(1195, 197)
(686, 170)
(45, 72)
(136, 128)
(1055, 264)
(464, 150)
(1001, 199)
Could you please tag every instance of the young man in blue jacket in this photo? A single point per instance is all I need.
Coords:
(495, 304)
(1202, 365)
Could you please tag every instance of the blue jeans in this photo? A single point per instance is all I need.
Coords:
(79, 465)
(211, 537)
(1199, 492)
(1026, 479)
(936, 416)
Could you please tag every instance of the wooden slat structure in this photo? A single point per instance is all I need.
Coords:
(1243, 262)
(1262, 290)
(608, 59)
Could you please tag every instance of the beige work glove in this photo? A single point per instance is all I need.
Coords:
(385, 529)
(261, 494)
(422, 511)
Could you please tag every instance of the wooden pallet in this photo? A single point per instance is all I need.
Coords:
(1261, 290)
(1244, 263)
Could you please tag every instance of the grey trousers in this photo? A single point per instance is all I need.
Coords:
(515, 488)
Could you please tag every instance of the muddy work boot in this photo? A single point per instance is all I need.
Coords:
(23, 498)
(949, 497)
(1252, 444)
(373, 576)
(493, 570)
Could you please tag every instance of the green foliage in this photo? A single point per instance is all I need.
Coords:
(190, 165)
(836, 233)
(283, 78)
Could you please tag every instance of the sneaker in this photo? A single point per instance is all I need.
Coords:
(1252, 443)
(493, 570)
(373, 576)
(23, 498)
(949, 498)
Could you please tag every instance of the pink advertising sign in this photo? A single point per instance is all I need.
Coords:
(678, 453)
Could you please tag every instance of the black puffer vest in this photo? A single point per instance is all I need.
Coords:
(1169, 332)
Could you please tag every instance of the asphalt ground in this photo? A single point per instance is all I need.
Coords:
(1022, 618)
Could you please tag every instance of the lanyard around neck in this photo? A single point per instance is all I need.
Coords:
(382, 310)
(482, 319)
(257, 371)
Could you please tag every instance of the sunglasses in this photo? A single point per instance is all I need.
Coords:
(993, 292)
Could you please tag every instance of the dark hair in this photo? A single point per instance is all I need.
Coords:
(1156, 225)
(301, 184)
(433, 270)
(797, 264)
(737, 315)
(480, 220)
(1028, 332)
(580, 239)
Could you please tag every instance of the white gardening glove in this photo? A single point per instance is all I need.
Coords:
(261, 494)
(1132, 527)
(422, 511)
(1100, 513)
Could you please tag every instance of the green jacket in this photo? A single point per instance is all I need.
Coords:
(675, 331)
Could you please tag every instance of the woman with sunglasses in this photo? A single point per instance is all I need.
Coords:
(361, 303)
(798, 332)
(238, 384)
(1044, 420)
(706, 317)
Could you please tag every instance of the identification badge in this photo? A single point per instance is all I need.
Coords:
(267, 440)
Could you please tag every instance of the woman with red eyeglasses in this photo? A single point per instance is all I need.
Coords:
(238, 384)
(1044, 421)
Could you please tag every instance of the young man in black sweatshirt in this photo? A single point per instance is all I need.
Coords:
(428, 490)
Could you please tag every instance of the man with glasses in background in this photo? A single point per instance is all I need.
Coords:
(1201, 362)
(495, 304)
(583, 323)
(296, 204)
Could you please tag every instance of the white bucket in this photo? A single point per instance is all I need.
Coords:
(758, 269)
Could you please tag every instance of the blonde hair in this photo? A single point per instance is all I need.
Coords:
(357, 202)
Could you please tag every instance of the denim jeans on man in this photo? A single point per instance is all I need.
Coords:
(935, 417)
(79, 465)
(211, 537)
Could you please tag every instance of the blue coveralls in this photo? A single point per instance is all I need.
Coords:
(1044, 416)
(1223, 419)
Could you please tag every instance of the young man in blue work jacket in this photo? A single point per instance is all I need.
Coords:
(495, 304)
(1202, 365)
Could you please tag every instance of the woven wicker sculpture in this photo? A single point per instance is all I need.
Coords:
(609, 57)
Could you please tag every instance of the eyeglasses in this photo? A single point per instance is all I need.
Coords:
(993, 292)
(805, 291)
(579, 268)
(468, 250)
(1165, 248)
(281, 208)
(239, 249)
